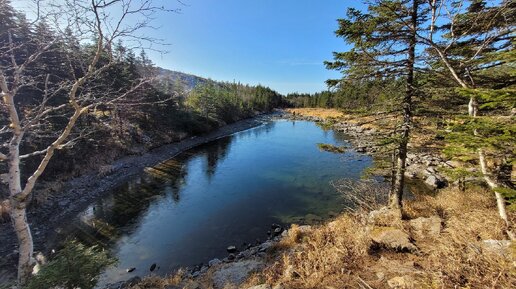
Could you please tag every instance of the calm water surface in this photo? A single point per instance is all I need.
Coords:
(187, 210)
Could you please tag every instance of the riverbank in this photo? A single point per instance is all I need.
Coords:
(438, 243)
(453, 239)
(79, 192)
(373, 134)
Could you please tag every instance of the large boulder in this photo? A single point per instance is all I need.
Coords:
(499, 247)
(435, 182)
(392, 239)
(385, 217)
(424, 228)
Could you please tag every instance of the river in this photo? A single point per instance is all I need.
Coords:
(187, 210)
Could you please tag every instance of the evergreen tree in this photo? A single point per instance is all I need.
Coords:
(384, 45)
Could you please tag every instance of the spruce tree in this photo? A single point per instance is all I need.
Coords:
(384, 45)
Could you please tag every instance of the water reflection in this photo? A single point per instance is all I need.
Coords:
(187, 210)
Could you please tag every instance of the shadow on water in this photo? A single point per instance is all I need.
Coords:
(187, 210)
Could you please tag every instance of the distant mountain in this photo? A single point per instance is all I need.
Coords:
(189, 81)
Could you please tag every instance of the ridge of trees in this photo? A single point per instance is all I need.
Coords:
(464, 51)
(75, 96)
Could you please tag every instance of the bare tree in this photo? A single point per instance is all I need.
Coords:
(481, 34)
(105, 21)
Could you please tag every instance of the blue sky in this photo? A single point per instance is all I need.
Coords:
(278, 43)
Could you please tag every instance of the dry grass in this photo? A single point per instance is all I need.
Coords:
(317, 112)
(322, 257)
(338, 254)
(421, 138)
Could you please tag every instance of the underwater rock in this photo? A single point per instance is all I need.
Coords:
(152, 267)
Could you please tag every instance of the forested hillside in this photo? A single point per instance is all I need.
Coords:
(79, 92)
(166, 106)
(134, 164)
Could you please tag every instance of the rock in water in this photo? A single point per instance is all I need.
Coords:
(231, 249)
(152, 267)
(130, 270)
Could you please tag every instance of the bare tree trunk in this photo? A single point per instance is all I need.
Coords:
(473, 110)
(19, 217)
(473, 106)
(396, 195)
(491, 182)
(25, 244)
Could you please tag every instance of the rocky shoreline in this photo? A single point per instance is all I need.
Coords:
(234, 269)
(422, 166)
(79, 192)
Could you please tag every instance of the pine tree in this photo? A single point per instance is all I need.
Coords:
(384, 45)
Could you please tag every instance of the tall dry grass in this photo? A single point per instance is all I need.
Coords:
(339, 255)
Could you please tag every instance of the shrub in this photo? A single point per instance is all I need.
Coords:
(75, 266)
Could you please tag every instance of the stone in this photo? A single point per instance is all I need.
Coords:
(422, 228)
(431, 170)
(402, 282)
(304, 228)
(125, 284)
(452, 164)
(265, 246)
(231, 249)
(499, 247)
(152, 267)
(392, 239)
(385, 217)
(235, 273)
(214, 262)
(411, 156)
(410, 174)
(263, 286)
(361, 149)
(435, 182)
(279, 286)
(231, 257)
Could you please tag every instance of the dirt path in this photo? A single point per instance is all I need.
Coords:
(79, 192)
